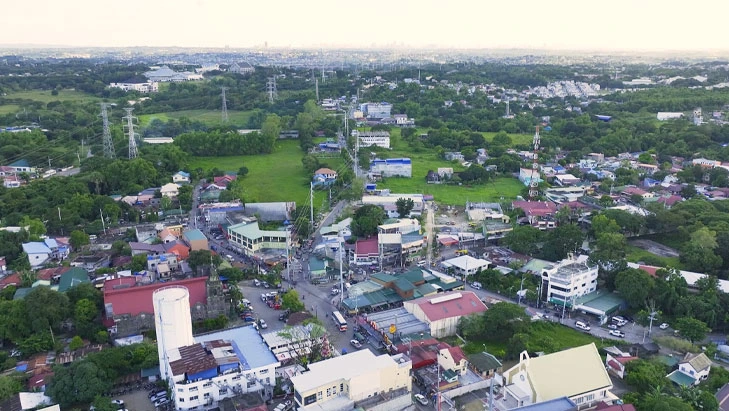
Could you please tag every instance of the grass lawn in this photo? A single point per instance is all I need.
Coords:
(209, 117)
(673, 240)
(279, 176)
(46, 97)
(8, 109)
(505, 187)
(516, 139)
(636, 254)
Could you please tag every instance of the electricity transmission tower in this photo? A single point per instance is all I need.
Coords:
(108, 142)
(225, 105)
(534, 182)
(129, 129)
(271, 87)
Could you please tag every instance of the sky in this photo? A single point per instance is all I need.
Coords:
(543, 24)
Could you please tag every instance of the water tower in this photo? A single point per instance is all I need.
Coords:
(172, 322)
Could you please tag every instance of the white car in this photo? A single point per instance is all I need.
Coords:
(263, 324)
(663, 326)
(617, 333)
(421, 399)
(356, 344)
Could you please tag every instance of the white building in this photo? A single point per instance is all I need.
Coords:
(568, 280)
(250, 239)
(663, 116)
(148, 87)
(465, 265)
(38, 253)
(372, 138)
(692, 369)
(401, 226)
(339, 382)
(391, 199)
(169, 190)
(576, 373)
(172, 323)
(292, 342)
(392, 167)
(376, 110)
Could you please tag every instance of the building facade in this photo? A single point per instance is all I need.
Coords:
(392, 167)
(248, 238)
(372, 138)
(567, 280)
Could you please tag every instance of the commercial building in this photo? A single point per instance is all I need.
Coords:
(465, 265)
(148, 87)
(392, 167)
(372, 138)
(346, 381)
(568, 280)
(196, 240)
(248, 238)
(442, 311)
(577, 373)
(376, 110)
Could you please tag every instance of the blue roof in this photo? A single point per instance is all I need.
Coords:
(557, 404)
(20, 163)
(36, 248)
(604, 118)
(51, 243)
(184, 174)
(248, 345)
(194, 234)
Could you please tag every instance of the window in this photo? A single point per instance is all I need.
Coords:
(223, 391)
(206, 395)
(591, 397)
(264, 371)
(193, 398)
(310, 399)
(236, 378)
(193, 389)
(319, 396)
(207, 384)
(250, 384)
(179, 390)
(341, 387)
(182, 399)
(329, 392)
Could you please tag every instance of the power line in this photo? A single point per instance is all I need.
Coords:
(133, 151)
(107, 140)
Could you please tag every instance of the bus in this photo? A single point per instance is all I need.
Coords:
(339, 321)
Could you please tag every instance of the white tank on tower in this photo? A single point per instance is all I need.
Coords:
(172, 322)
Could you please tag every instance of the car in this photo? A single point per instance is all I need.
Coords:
(421, 399)
(256, 282)
(356, 344)
(266, 285)
(119, 403)
(617, 333)
(476, 285)
(334, 291)
(663, 326)
(161, 402)
(156, 393)
(262, 324)
(612, 326)
(159, 396)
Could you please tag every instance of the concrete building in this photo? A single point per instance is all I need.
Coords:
(390, 200)
(148, 87)
(376, 110)
(576, 373)
(567, 280)
(372, 138)
(692, 369)
(38, 253)
(181, 177)
(442, 311)
(353, 380)
(401, 226)
(241, 68)
(248, 238)
(663, 116)
(196, 240)
(465, 265)
(392, 167)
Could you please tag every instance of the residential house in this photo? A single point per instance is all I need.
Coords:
(166, 236)
(10, 279)
(445, 172)
(72, 278)
(722, 397)
(669, 201)
(38, 253)
(432, 177)
(566, 180)
(181, 177)
(22, 166)
(163, 264)
(223, 181)
(576, 373)
(631, 191)
(539, 214)
(3, 265)
(145, 248)
(12, 181)
(402, 120)
(241, 68)
(616, 360)
(366, 252)
(341, 382)
(59, 248)
(692, 369)
(465, 265)
(454, 155)
(324, 177)
(526, 175)
(484, 364)
(178, 248)
(169, 190)
(452, 359)
(92, 262)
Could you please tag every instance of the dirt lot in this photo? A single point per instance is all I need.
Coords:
(654, 247)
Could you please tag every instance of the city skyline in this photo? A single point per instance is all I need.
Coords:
(563, 25)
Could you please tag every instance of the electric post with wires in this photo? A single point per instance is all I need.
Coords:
(534, 181)
(129, 128)
(107, 140)
(225, 105)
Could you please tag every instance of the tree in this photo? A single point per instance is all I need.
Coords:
(404, 206)
(242, 171)
(635, 286)
(691, 328)
(610, 247)
(9, 386)
(104, 404)
(76, 343)
(290, 301)
(46, 308)
(78, 239)
(81, 382)
(524, 239)
(644, 375)
(271, 129)
(201, 258)
(502, 321)
(366, 219)
(561, 241)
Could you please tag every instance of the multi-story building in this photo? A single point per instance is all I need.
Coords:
(355, 379)
(392, 167)
(148, 87)
(248, 238)
(376, 110)
(567, 280)
(372, 138)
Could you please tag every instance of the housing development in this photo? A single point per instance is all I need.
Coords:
(274, 229)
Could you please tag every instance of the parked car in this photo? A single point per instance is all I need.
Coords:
(356, 344)
(617, 333)
(334, 291)
(421, 399)
(262, 324)
(612, 326)
(476, 285)
(256, 282)
(663, 326)
(119, 403)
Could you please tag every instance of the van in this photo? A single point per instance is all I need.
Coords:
(582, 326)
(229, 257)
(476, 285)
(92, 237)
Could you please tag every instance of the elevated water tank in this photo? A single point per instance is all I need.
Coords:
(172, 321)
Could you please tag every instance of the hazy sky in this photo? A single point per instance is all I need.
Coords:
(555, 24)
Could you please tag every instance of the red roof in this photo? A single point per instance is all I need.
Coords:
(634, 190)
(366, 247)
(615, 365)
(447, 241)
(48, 273)
(12, 279)
(649, 269)
(536, 208)
(625, 360)
(669, 201)
(447, 305)
(39, 380)
(457, 354)
(135, 300)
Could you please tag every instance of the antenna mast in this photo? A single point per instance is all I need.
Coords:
(109, 151)
(534, 181)
(133, 152)
(225, 105)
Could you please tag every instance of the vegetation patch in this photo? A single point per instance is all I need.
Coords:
(209, 117)
(46, 96)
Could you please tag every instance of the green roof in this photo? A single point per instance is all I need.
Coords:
(210, 194)
(72, 278)
(252, 231)
(601, 300)
(448, 286)
(669, 360)
(414, 275)
(535, 265)
(20, 293)
(150, 372)
(315, 264)
(194, 235)
(385, 278)
(681, 379)
(484, 361)
(404, 285)
(425, 289)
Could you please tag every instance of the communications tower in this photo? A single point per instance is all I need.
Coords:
(129, 129)
(108, 142)
(534, 181)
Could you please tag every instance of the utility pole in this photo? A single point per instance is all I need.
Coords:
(341, 270)
(225, 105)
(103, 224)
(316, 85)
(133, 151)
(109, 151)
(311, 204)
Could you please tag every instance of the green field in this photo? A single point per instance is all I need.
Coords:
(279, 176)
(516, 139)
(636, 254)
(46, 97)
(209, 117)
(8, 109)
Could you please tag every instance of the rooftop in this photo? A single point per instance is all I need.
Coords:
(484, 361)
(681, 379)
(450, 304)
(194, 235)
(466, 262)
(249, 345)
(698, 361)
